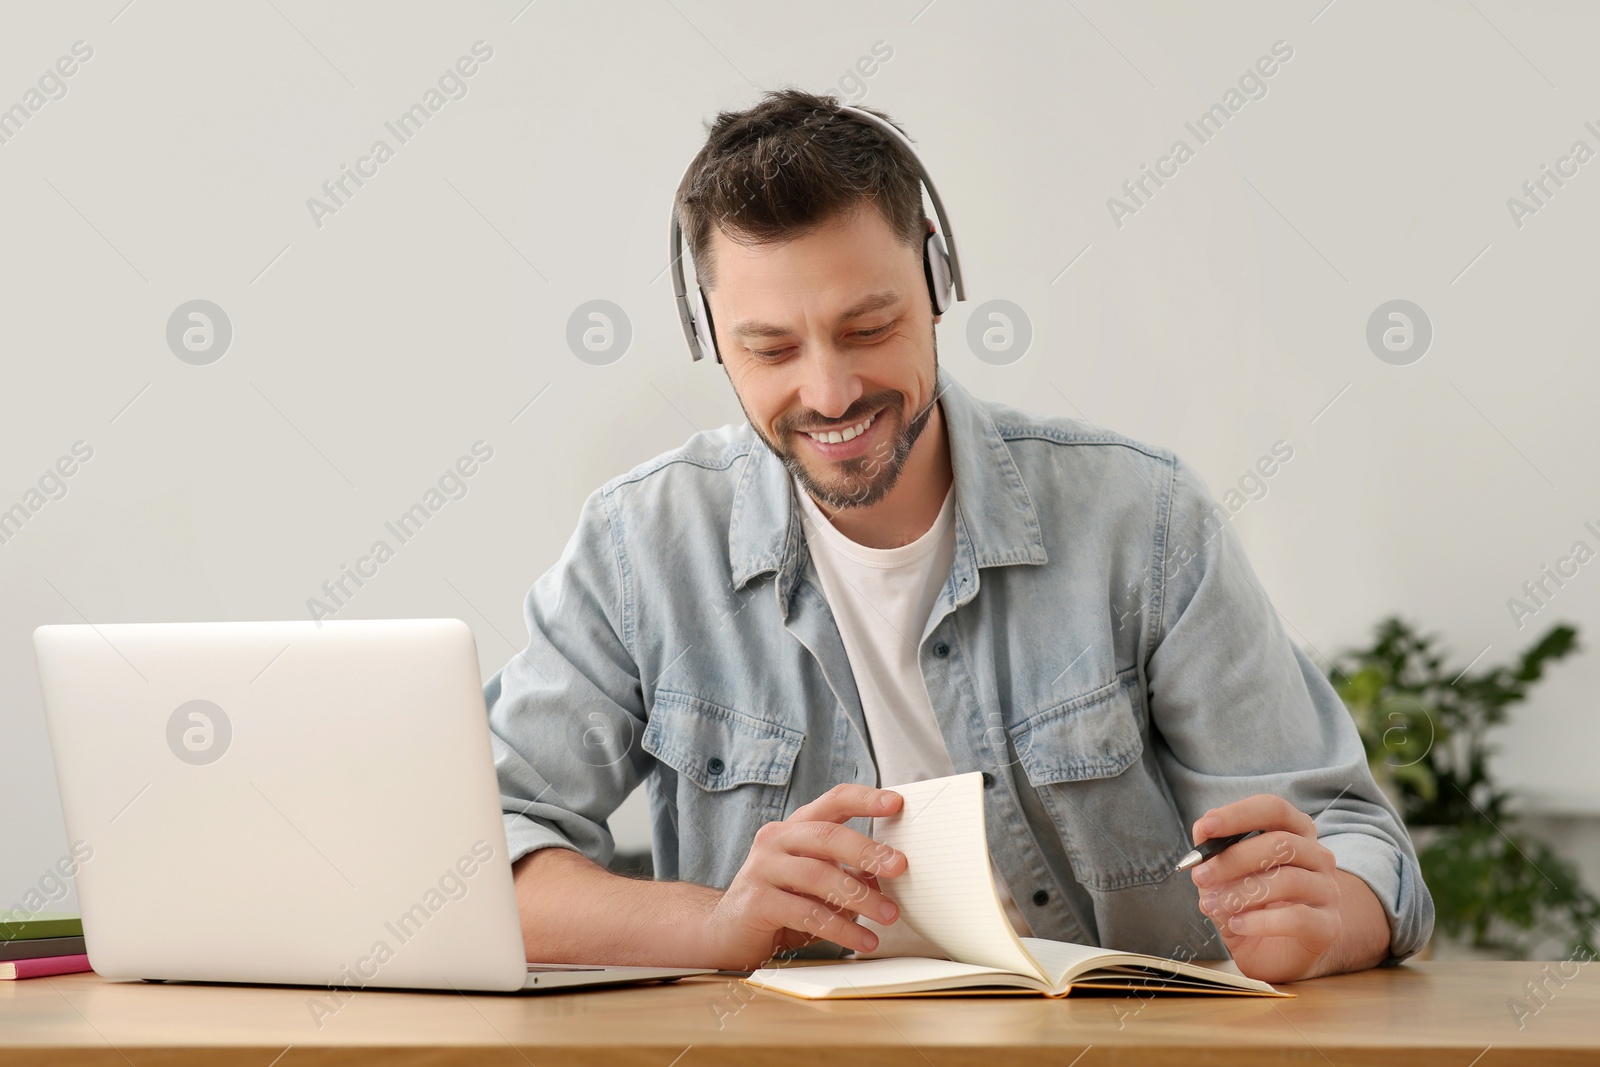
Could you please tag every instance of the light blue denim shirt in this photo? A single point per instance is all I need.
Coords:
(1102, 652)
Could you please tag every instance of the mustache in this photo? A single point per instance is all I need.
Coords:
(811, 420)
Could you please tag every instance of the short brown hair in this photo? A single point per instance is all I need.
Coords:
(780, 169)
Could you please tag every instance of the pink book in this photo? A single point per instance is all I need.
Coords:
(44, 965)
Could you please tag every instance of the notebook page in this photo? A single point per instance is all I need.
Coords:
(869, 977)
(947, 893)
(1058, 958)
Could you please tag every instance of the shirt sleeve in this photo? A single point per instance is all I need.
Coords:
(1242, 710)
(566, 714)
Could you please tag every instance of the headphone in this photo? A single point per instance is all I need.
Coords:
(941, 266)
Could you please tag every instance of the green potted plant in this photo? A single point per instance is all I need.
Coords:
(1426, 731)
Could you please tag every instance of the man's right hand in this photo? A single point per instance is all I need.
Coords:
(809, 877)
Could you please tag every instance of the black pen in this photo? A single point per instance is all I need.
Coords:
(1210, 847)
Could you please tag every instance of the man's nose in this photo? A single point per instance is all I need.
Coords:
(831, 384)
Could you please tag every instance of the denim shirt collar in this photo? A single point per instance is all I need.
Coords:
(996, 522)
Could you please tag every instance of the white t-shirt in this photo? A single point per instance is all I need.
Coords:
(881, 599)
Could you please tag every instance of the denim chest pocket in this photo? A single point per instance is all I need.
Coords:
(1087, 760)
(733, 769)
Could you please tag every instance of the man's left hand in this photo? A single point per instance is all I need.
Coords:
(1285, 911)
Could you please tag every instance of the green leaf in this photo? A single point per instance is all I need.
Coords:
(1425, 730)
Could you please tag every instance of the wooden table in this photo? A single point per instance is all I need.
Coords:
(1455, 1014)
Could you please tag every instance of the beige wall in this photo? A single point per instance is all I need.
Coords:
(373, 345)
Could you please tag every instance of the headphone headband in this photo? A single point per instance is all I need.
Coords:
(940, 263)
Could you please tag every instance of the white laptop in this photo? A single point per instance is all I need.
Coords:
(289, 803)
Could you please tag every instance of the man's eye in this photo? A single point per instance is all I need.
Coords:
(860, 335)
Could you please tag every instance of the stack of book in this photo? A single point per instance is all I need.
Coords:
(35, 944)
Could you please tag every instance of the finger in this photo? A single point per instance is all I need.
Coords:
(1260, 812)
(1314, 927)
(848, 801)
(834, 887)
(837, 844)
(866, 876)
(805, 937)
(816, 918)
(1279, 886)
(788, 939)
(1276, 848)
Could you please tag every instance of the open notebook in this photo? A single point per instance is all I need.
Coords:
(947, 896)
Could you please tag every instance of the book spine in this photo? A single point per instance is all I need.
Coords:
(43, 946)
(43, 967)
(32, 931)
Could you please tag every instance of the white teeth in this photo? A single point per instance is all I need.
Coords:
(834, 437)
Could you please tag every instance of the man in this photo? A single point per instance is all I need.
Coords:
(880, 579)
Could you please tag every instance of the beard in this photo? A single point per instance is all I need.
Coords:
(865, 480)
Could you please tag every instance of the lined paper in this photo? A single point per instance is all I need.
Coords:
(1058, 958)
(947, 893)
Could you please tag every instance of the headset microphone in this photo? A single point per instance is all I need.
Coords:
(941, 266)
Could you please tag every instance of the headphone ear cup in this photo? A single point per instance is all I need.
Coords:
(936, 268)
(704, 330)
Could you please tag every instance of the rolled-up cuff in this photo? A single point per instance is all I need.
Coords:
(525, 835)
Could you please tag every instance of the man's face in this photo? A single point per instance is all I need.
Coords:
(828, 340)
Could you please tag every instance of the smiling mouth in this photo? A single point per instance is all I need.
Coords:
(849, 433)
